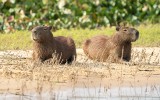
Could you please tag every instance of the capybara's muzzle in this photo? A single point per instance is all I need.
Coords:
(135, 35)
(34, 35)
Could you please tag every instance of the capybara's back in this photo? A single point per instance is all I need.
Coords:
(95, 48)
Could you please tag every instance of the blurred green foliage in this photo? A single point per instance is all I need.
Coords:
(25, 14)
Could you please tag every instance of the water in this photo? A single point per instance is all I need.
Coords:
(116, 93)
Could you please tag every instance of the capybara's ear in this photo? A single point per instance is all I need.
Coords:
(54, 29)
(50, 27)
(124, 24)
(117, 28)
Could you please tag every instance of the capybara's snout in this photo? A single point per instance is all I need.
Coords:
(34, 35)
(135, 35)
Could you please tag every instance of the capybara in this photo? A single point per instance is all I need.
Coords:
(45, 46)
(116, 48)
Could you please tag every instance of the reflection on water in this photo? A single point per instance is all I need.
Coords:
(122, 93)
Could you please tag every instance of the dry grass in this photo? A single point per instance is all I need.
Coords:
(20, 76)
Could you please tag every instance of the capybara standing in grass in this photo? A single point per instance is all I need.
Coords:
(116, 48)
(46, 46)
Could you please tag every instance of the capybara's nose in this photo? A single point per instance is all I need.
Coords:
(137, 34)
(34, 31)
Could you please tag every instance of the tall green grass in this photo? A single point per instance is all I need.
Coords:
(16, 40)
(149, 36)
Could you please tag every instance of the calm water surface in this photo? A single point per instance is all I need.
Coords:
(116, 93)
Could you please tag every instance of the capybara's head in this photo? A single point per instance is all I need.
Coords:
(127, 33)
(42, 33)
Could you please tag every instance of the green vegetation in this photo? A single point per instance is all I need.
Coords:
(25, 14)
(149, 36)
(16, 40)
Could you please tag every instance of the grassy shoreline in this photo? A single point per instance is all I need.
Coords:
(149, 36)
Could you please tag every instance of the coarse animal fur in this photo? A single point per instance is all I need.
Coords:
(116, 48)
(46, 46)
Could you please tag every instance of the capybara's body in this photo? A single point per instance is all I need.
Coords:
(46, 46)
(115, 48)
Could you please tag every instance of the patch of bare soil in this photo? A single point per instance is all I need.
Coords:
(18, 74)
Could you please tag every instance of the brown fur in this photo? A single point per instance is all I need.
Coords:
(45, 46)
(114, 48)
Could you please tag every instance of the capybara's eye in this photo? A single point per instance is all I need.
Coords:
(124, 30)
(44, 29)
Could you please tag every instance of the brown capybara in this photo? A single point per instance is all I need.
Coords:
(116, 48)
(46, 46)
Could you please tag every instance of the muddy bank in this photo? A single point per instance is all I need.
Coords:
(19, 76)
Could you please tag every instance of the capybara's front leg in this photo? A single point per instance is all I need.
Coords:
(127, 51)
